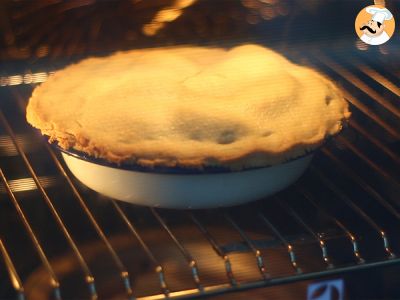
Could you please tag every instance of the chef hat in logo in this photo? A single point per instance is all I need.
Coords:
(379, 14)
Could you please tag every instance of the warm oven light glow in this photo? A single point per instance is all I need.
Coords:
(24, 79)
(165, 15)
(28, 184)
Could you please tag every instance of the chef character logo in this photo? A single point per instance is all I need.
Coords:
(375, 25)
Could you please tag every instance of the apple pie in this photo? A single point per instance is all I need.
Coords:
(192, 107)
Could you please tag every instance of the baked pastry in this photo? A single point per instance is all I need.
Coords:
(189, 107)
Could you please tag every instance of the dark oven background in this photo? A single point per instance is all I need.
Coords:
(340, 220)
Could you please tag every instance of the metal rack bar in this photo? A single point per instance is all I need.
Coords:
(157, 266)
(377, 77)
(352, 237)
(316, 235)
(357, 209)
(289, 246)
(225, 288)
(124, 274)
(366, 187)
(122, 269)
(191, 261)
(54, 282)
(89, 279)
(364, 109)
(342, 71)
(373, 116)
(250, 244)
(12, 272)
(369, 162)
(395, 157)
(217, 249)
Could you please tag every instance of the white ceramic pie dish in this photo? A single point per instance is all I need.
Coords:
(179, 190)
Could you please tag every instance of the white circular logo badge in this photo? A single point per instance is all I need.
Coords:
(375, 25)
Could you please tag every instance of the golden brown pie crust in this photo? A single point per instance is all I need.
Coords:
(189, 107)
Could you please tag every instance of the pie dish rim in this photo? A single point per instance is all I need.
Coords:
(178, 170)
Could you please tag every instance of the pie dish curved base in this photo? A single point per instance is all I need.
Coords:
(187, 191)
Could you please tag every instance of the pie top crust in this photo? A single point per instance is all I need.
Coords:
(189, 107)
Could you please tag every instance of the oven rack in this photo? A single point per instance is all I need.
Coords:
(373, 86)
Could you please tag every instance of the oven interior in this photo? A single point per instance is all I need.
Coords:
(60, 240)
